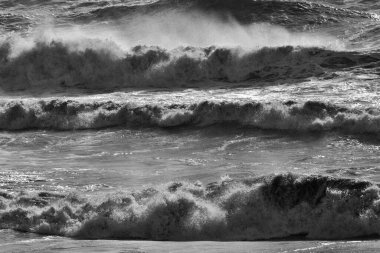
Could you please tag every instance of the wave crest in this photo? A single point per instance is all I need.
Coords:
(60, 114)
(280, 206)
(55, 65)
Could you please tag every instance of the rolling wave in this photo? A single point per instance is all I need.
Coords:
(277, 206)
(69, 114)
(54, 65)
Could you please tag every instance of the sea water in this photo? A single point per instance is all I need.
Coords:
(189, 126)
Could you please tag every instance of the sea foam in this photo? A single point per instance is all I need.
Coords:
(55, 66)
(277, 206)
(70, 114)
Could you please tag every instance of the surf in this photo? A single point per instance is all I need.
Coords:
(276, 206)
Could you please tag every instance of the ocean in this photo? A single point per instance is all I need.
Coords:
(189, 126)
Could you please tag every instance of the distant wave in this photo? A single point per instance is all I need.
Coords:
(13, 22)
(48, 66)
(87, 113)
(290, 13)
(278, 206)
(21, 15)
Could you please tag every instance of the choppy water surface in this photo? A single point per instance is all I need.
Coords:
(102, 160)
(213, 121)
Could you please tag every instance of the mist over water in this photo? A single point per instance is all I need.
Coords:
(173, 50)
(170, 30)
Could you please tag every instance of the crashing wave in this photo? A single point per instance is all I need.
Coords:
(69, 114)
(278, 206)
(48, 66)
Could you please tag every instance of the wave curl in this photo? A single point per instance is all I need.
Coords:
(54, 65)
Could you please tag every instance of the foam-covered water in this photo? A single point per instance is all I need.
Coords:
(259, 208)
(213, 120)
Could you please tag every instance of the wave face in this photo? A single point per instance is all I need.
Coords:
(54, 65)
(60, 114)
(281, 206)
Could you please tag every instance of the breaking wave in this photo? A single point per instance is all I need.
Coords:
(278, 206)
(69, 114)
(53, 65)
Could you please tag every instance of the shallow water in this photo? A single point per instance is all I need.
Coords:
(31, 243)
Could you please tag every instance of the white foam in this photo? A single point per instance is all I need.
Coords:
(312, 207)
